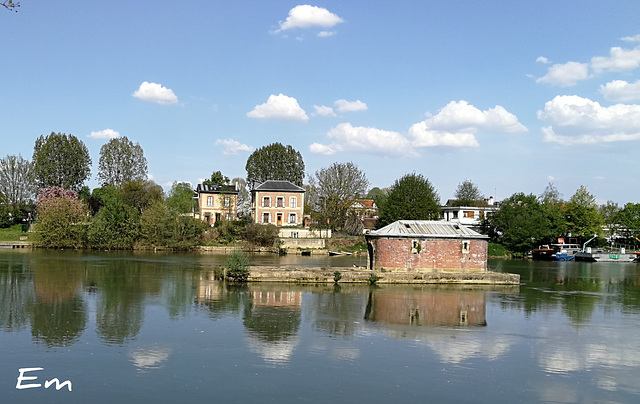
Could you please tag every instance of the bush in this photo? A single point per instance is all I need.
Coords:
(337, 276)
(263, 235)
(237, 265)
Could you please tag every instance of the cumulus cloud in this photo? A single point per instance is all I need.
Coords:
(305, 16)
(280, 107)
(635, 38)
(621, 91)
(575, 120)
(542, 59)
(358, 139)
(455, 125)
(619, 60)
(153, 92)
(104, 134)
(350, 106)
(233, 147)
(323, 110)
(565, 75)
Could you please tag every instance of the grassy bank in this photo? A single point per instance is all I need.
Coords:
(12, 233)
(498, 251)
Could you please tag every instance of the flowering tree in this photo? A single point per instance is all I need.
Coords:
(60, 215)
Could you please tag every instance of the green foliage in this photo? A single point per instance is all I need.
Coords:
(161, 226)
(583, 218)
(373, 279)
(337, 276)
(521, 223)
(180, 198)
(217, 178)
(497, 250)
(60, 217)
(120, 161)
(629, 220)
(6, 218)
(467, 194)
(116, 225)
(140, 194)
(60, 161)
(412, 197)
(237, 265)
(263, 235)
(275, 162)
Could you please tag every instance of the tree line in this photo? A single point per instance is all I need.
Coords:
(129, 210)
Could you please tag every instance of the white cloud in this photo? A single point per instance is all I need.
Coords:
(621, 91)
(358, 139)
(576, 120)
(152, 92)
(350, 106)
(322, 110)
(565, 75)
(455, 125)
(305, 16)
(619, 60)
(104, 134)
(233, 147)
(280, 107)
(324, 34)
(635, 38)
(542, 59)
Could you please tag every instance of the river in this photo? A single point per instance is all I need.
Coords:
(125, 327)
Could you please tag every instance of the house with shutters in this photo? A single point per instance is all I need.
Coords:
(216, 202)
(278, 202)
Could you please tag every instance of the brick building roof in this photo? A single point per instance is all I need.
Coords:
(426, 228)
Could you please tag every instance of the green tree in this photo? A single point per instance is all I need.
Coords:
(555, 210)
(275, 162)
(116, 225)
(140, 194)
(609, 213)
(60, 161)
(412, 197)
(583, 218)
(180, 198)
(216, 179)
(336, 186)
(467, 194)
(60, 217)
(120, 161)
(629, 220)
(520, 223)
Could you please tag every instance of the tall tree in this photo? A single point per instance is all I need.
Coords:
(583, 218)
(467, 194)
(275, 162)
(180, 198)
(59, 216)
(16, 180)
(412, 197)
(336, 186)
(120, 161)
(556, 211)
(217, 178)
(60, 160)
(521, 223)
(629, 220)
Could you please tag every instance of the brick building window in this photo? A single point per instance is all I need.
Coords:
(279, 202)
(293, 202)
(266, 202)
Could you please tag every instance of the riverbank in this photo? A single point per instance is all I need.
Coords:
(360, 275)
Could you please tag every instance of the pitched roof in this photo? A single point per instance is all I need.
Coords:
(216, 189)
(273, 185)
(365, 203)
(426, 228)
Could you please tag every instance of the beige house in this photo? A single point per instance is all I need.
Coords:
(278, 202)
(217, 202)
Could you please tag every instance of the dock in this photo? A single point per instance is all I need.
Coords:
(15, 244)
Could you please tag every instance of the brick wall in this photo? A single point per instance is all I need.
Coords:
(258, 210)
(433, 254)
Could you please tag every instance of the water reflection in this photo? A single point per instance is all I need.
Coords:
(568, 324)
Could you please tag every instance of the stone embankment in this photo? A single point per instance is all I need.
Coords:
(359, 275)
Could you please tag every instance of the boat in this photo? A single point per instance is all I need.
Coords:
(555, 252)
(588, 254)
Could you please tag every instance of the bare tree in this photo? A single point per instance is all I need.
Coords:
(468, 194)
(335, 187)
(16, 180)
(10, 5)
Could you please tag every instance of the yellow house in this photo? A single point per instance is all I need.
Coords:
(217, 202)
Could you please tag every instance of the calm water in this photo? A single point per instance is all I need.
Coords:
(132, 328)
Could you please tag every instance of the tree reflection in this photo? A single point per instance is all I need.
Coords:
(16, 295)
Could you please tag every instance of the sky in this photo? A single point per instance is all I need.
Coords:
(511, 95)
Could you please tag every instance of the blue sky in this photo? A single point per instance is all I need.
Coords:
(511, 95)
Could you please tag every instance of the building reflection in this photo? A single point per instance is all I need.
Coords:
(427, 307)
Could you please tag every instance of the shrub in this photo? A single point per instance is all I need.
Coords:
(263, 235)
(337, 276)
(237, 265)
(60, 214)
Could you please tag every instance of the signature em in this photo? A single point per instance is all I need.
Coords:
(47, 383)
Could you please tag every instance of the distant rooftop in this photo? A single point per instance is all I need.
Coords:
(273, 185)
(426, 228)
(216, 189)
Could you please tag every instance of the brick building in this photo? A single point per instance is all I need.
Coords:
(278, 202)
(427, 246)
